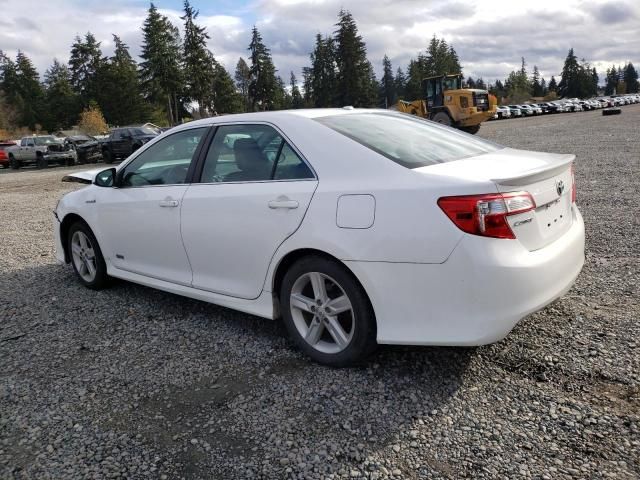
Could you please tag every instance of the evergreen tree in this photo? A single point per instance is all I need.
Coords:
(536, 85)
(160, 73)
(85, 62)
(120, 98)
(553, 86)
(226, 98)
(322, 75)
(296, 98)
(630, 77)
(400, 83)
(30, 92)
(307, 93)
(371, 89)
(388, 92)
(63, 105)
(263, 85)
(198, 62)
(543, 87)
(595, 79)
(413, 86)
(481, 84)
(243, 79)
(471, 83)
(354, 71)
(569, 85)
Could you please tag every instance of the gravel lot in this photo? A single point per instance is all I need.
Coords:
(135, 383)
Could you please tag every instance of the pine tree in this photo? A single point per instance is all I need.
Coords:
(85, 62)
(595, 79)
(322, 75)
(481, 84)
(536, 86)
(307, 90)
(243, 79)
(30, 91)
(226, 98)
(400, 83)
(354, 70)
(553, 86)
(388, 92)
(296, 98)
(63, 105)
(543, 87)
(630, 77)
(413, 88)
(120, 97)
(471, 83)
(568, 86)
(198, 62)
(263, 85)
(160, 73)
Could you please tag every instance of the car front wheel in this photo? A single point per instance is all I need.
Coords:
(327, 312)
(86, 257)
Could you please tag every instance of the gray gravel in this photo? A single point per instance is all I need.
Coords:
(135, 383)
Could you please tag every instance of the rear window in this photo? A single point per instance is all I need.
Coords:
(407, 140)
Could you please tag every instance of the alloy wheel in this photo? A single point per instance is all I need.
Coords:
(322, 312)
(84, 257)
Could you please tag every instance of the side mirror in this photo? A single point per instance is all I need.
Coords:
(105, 178)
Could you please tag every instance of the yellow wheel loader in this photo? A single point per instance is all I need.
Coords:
(448, 103)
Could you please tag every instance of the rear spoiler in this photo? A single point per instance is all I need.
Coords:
(538, 174)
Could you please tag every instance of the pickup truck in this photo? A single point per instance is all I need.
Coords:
(123, 141)
(40, 150)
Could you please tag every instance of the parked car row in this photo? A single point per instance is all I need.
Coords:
(44, 150)
(563, 106)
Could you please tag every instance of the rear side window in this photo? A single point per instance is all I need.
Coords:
(407, 140)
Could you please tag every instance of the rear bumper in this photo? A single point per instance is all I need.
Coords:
(477, 296)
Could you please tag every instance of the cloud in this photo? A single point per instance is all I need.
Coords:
(490, 36)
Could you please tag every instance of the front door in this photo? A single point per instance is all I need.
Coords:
(140, 218)
(253, 193)
(121, 143)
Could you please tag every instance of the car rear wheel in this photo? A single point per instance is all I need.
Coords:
(327, 312)
(86, 257)
(41, 162)
(13, 163)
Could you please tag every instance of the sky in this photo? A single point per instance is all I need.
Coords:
(490, 36)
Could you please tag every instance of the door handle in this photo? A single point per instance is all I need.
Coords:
(283, 203)
(169, 203)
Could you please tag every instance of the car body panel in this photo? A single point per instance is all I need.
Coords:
(428, 282)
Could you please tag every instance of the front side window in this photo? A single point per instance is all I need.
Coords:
(164, 163)
(30, 142)
(251, 153)
(45, 140)
(407, 140)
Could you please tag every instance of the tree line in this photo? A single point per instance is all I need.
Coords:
(579, 79)
(178, 78)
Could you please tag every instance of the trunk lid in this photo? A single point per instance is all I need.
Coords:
(546, 176)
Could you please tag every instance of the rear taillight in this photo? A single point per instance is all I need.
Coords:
(574, 192)
(3, 155)
(486, 215)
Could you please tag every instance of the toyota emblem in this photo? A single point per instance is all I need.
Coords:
(559, 187)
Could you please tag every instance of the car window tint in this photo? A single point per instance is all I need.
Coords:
(290, 166)
(407, 140)
(241, 153)
(165, 162)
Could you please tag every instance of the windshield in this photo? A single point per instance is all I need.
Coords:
(406, 139)
(45, 140)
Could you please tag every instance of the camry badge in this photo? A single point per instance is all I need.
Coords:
(559, 187)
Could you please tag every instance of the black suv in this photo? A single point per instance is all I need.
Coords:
(123, 141)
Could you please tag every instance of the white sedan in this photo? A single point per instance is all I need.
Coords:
(356, 227)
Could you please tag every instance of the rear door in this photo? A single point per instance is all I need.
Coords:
(253, 193)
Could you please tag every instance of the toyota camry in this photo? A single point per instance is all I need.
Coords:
(355, 227)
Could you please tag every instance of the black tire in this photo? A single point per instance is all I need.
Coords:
(106, 155)
(472, 129)
(362, 323)
(40, 161)
(611, 111)
(442, 118)
(101, 279)
(13, 163)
